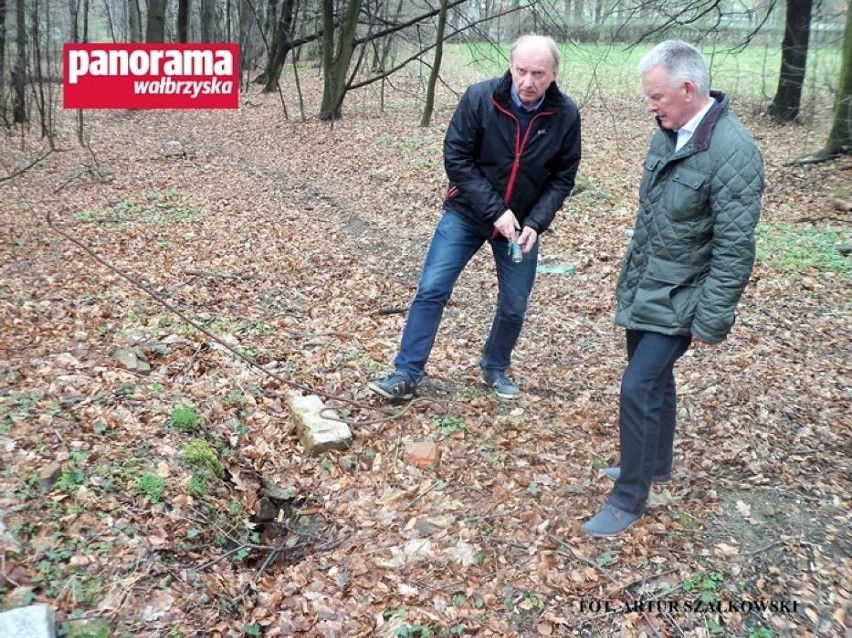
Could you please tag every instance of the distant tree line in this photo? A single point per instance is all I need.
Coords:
(357, 42)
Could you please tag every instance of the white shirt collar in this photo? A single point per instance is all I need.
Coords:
(685, 132)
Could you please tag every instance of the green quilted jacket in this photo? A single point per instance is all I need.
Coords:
(692, 249)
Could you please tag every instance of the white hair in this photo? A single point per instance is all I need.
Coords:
(681, 61)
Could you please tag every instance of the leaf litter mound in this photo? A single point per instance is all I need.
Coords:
(299, 245)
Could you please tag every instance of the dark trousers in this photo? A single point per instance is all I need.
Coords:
(647, 415)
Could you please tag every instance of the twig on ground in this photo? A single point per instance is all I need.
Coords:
(560, 543)
(288, 382)
(23, 170)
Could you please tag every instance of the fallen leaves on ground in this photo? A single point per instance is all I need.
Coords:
(298, 245)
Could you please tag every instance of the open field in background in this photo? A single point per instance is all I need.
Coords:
(598, 74)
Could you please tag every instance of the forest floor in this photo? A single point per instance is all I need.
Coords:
(151, 483)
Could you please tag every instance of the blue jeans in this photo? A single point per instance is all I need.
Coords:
(456, 240)
(647, 415)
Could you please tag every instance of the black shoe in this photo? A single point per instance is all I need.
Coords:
(502, 385)
(615, 472)
(396, 386)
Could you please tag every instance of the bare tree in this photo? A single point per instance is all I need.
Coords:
(42, 101)
(155, 30)
(794, 57)
(336, 58)
(840, 137)
(183, 21)
(208, 20)
(110, 23)
(19, 70)
(73, 8)
(281, 45)
(134, 21)
(2, 60)
(436, 66)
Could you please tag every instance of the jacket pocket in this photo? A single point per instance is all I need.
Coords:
(667, 294)
(688, 194)
(650, 166)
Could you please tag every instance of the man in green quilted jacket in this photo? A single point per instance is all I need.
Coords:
(688, 261)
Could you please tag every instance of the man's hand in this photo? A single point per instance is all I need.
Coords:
(527, 239)
(507, 225)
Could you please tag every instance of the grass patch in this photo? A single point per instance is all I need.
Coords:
(151, 487)
(200, 455)
(796, 248)
(154, 208)
(185, 418)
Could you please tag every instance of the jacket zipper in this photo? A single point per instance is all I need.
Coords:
(519, 146)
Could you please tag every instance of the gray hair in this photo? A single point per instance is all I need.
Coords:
(540, 39)
(681, 61)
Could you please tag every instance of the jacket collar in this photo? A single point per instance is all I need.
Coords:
(702, 135)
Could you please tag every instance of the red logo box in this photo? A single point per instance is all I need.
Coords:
(151, 76)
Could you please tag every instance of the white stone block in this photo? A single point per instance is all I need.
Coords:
(317, 434)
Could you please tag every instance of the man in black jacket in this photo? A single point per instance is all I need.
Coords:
(511, 154)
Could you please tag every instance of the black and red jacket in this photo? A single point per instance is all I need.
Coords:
(491, 167)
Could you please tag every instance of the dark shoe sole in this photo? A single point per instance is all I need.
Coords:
(499, 394)
(612, 532)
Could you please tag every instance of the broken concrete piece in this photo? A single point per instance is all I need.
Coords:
(33, 621)
(317, 434)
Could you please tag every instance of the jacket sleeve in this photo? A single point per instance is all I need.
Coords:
(736, 191)
(562, 175)
(461, 145)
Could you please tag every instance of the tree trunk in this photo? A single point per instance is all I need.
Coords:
(155, 31)
(108, 12)
(578, 14)
(794, 56)
(19, 70)
(281, 47)
(72, 10)
(840, 137)
(85, 20)
(134, 20)
(327, 56)
(248, 35)
(183, 21)
(2, 61)
(336, 64)
(37, 62)
(270, 24)
(208, 21)
(436, 66)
